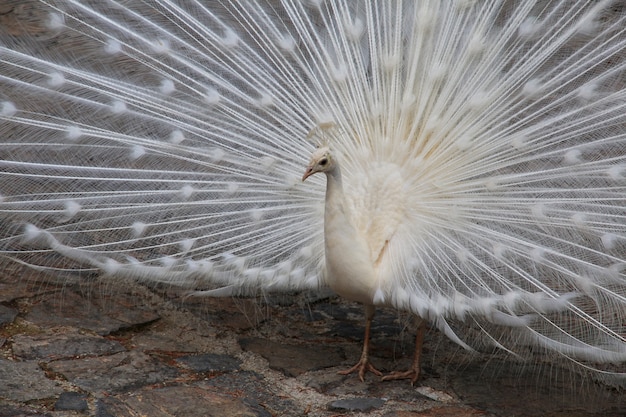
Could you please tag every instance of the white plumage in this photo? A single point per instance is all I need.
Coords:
(482, 148)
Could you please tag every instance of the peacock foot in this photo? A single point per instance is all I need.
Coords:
(364, 365)
(412, 374)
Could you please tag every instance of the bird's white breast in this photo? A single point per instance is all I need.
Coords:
(358, 230)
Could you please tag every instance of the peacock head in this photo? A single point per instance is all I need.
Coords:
(321, 161)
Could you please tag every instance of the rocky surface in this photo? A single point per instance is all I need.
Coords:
(122, 350)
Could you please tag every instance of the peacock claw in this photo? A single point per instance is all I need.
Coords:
(364, 365)
(412, 374)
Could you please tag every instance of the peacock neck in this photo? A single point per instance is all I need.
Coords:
(334, 192)
(337, 221)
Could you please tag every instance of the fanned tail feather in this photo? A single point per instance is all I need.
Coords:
(165, 141)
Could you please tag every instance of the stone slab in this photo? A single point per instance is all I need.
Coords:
(294, 359)
(25, 381)
(62, 345)
(118, 372)
(101, 313)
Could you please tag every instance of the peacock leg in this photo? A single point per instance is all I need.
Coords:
(364, 364)
(414, 372)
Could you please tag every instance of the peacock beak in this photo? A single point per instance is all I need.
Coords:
(307, 173)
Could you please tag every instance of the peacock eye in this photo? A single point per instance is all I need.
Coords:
(323, 162)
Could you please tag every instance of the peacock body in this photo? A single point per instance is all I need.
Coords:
(482, 149)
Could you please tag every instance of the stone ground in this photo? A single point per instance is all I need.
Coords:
(121, 350)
